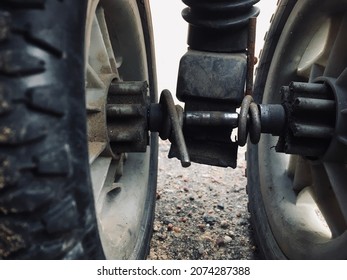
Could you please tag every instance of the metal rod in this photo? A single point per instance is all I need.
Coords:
(211, 118)
(273, 118)
(251, 54)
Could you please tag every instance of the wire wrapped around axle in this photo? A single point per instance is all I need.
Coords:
(173, 116)
(249, 121)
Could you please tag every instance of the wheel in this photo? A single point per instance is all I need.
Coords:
(66, 192)
(298, 204)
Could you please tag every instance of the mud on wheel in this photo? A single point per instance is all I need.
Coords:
(298, 203)
(65, 191)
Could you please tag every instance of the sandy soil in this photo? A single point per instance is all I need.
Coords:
(201, 212)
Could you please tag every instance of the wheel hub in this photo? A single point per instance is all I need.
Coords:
(126, 112)
(310, 119)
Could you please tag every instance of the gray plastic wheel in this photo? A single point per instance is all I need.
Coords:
(119, 47)
(298, 205)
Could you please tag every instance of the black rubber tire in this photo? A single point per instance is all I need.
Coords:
(46, 199)
(267, 246)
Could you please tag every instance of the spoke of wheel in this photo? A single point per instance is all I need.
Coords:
(316, 51)
(337, 173)
(302, 176)
(342, 79)
(326, 190)
(337, 60)
(316, 71)
(93, 79)
(98, 55)
(100, 14)
(100, 171)
(293, 159)
(95, 149)
(94, 100)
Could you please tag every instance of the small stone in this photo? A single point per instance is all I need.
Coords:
(231, 234)
(201, 227)
(157, 196)
(243, 222)
(220, 242)
(220, 206)
(210, 220)
(227, 239)
(191, 198)
(167, 222)
(224, 224)
(177, 229)
(162, 237)
(170, 227)
(207, 237)
(243, 242)
(186, 189)
(183, 219)
(201, 250)
(238, 215)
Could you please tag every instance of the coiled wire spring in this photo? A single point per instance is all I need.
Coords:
(249, 122)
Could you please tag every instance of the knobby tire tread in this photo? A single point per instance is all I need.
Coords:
(46, 203)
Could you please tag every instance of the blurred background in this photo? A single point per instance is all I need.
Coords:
(170, 33)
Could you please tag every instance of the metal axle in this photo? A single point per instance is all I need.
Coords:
(295, 121)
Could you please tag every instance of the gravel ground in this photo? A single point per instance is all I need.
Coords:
(201, 212)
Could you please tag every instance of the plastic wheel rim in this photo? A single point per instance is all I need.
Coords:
(295, 220)
(120, 183)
